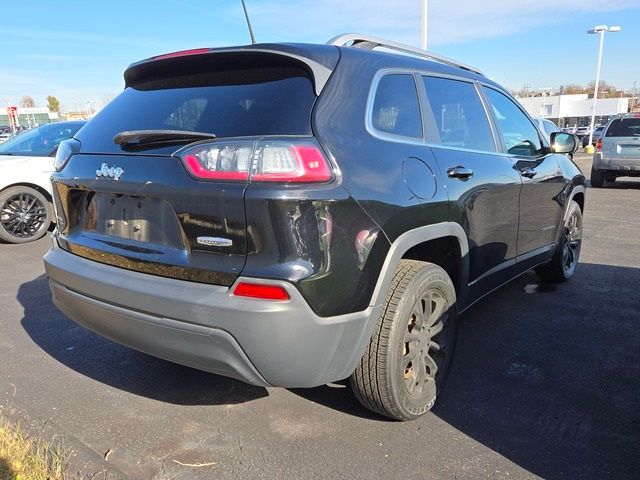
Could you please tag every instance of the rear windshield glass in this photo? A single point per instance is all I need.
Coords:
(627, 127)
(241, 102)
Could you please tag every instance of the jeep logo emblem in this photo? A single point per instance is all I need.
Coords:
(113, 172)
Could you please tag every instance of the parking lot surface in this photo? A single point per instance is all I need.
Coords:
(545, 383)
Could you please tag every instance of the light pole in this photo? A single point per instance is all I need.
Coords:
(423, 32)
(601, 30)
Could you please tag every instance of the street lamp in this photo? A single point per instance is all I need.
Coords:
(601, 30)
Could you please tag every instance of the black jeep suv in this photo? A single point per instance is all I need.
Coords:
(292, 214)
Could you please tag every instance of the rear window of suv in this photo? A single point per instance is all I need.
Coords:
(624, 127)
(243, 101)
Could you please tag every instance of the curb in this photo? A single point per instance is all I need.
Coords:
(82, 461)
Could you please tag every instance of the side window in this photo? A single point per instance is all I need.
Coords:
(458, 114)
(396, 109)
(519, 136)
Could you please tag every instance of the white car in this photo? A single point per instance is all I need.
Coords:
(26, 164)
(547, 127)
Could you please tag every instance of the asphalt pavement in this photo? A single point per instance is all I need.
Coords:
(545, 383)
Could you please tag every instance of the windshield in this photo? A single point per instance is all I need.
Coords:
(41, 141)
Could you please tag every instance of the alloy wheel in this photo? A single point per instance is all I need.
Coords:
(424, 344)
(572, 244)
(23, 215)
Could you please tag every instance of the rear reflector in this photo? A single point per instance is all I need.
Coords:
(296, 161)
(259, 290)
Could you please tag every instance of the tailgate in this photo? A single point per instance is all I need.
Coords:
(138, 207)
(155, 219)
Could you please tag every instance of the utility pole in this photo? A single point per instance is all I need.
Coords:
(423, 32)
(246, 15)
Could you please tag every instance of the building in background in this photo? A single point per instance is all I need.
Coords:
(77, 115)
(574, 110)
(27, 116)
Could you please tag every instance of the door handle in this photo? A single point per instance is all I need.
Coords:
(459, 172)
(528, 172)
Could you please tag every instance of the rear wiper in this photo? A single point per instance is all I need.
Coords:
(144, 138)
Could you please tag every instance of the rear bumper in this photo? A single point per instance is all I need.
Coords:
(621, 166)
(204, 326)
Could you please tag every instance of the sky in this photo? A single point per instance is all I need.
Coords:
(77, 50)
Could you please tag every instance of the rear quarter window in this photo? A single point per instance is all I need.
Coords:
(396, 109)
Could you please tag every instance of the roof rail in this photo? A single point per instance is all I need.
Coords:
(369, 42)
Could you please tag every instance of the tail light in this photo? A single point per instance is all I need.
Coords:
(599, 145)
(258, 161)
(66, 150)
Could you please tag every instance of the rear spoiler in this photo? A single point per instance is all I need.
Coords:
(318, 61)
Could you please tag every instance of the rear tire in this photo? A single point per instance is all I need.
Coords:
(565, 259)
(25, 215)
(597, 178)
(407, 360)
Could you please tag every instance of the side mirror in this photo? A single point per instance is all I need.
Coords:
(562, 142)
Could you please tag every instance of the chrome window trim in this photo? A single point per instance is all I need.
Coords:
(421, 99)
(470, 150)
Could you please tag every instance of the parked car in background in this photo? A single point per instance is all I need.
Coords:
(617, 151)
(296, 214)
(4, 136)
(26, 164)
(597, 133)
(582, 131)
(547, 127)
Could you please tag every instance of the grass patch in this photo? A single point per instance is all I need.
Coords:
(26, 458)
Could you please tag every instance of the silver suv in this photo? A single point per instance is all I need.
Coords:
(617, 151)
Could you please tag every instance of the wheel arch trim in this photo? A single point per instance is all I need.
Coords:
(410, 239)
(34, 186)
(575, 191)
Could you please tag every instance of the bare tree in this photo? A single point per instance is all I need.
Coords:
(572, 89)
(28, 101)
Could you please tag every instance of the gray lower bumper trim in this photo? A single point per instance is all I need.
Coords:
(209, 349)
(281, 343)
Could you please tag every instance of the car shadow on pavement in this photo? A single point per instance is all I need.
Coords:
(119, 366)
(548, 376)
